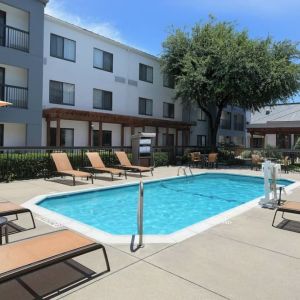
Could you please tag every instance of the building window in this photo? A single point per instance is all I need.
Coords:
(102, 99)
(168, 81)
(296, 141)
(145, 106)
(168, 140)
(238, 122)
(61, 93)
(283, 141)
(201, 115)
(103, 60)
(201, 141)
(257, 142)
(1, 135)
(66, 137)
(168, 111)
(146, 73)
(226, 120)
(62, 48)
(106, 138)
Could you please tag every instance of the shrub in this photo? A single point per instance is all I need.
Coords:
(161, 159)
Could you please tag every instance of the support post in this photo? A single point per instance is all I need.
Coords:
(48, 131)
(122, 135)
(100, 135)
(156, 137)
(90, 134)
(58, 132)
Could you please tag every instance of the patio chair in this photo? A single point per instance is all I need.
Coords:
(125, 164)
(292, 207)
(23, 257)
(98, 165)
(212, 160)
(10, 209)
(195, 158)
(256, 161)
(64, 167)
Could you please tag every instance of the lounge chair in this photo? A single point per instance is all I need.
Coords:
(195, 158)
(292, 207)
(212, 160)
(10, 209)
(126, 164)
(98, 165)
(35, 253)
(64, 167)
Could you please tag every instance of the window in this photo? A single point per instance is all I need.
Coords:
(238, 122)
(201, 115)
(257, 142)
(226, 120)
(146, 73)
(1, 135)
(168, 81)
(62, 48)
(201, 141)
(61, 93)
(168, 139)
(103, 60)
(106, 138)
(66, 137)
(145, 107)
(102, 99)
(283, 141)
(168, 111)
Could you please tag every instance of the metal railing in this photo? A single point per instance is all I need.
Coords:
(16, 95)
(140, 215)
(14, 38)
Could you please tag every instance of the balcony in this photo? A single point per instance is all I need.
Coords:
(18, 96)
(14, 38)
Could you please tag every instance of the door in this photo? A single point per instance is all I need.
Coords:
(2, 27)
(2, 82)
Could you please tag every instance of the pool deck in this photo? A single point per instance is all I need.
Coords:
(242, 258)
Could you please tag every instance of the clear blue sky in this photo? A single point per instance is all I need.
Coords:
(145, 24)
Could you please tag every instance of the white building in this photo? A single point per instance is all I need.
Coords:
(94, 91)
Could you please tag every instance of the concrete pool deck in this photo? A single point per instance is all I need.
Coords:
(243, 258)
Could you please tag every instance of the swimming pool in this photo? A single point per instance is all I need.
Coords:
(169, 205)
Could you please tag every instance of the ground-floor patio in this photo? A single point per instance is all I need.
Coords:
(242, 258)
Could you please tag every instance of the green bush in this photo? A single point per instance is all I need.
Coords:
(161, 159)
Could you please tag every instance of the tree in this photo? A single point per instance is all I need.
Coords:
(215, 65)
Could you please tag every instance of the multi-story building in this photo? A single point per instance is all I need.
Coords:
(21, 71)
(72, 87)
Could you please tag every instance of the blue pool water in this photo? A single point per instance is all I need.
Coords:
(169, 205)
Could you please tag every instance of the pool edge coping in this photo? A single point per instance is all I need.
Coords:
(57, 220)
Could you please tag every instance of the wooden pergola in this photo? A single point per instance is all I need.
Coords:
(58, 114)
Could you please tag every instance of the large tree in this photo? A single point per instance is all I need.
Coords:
(215, 65)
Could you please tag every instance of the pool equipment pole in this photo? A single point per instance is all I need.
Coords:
(140, 214)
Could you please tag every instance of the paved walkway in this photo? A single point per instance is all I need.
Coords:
(244, 258)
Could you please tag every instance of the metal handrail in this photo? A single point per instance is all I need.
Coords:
(140, 215)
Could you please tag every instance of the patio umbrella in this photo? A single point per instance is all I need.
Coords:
(4, 103)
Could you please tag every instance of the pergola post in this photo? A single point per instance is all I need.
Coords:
(48, 131)
(100, 135)
(122, 135)
(58, 132)
(156, 137)
(90, 134)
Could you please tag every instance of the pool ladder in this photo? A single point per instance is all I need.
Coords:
(140, 215)
(184, 170)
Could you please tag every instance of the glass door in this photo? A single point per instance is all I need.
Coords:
(2, 27)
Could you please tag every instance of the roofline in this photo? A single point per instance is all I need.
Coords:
(282, 104)
(44, 2)
(96, 35)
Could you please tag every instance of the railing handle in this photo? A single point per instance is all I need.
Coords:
(140, 214)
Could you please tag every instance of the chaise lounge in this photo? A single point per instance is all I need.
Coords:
(126, 164)
(10, 209)
(22, 257)
(292, 207)
(98, 165)
(64, 167)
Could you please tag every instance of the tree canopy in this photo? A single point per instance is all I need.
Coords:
(215, 65)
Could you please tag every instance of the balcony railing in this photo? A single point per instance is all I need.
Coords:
(18, 96)
(15, 38)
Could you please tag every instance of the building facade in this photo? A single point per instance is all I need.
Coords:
(21, 71)
(276, 126)
(72, 87)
